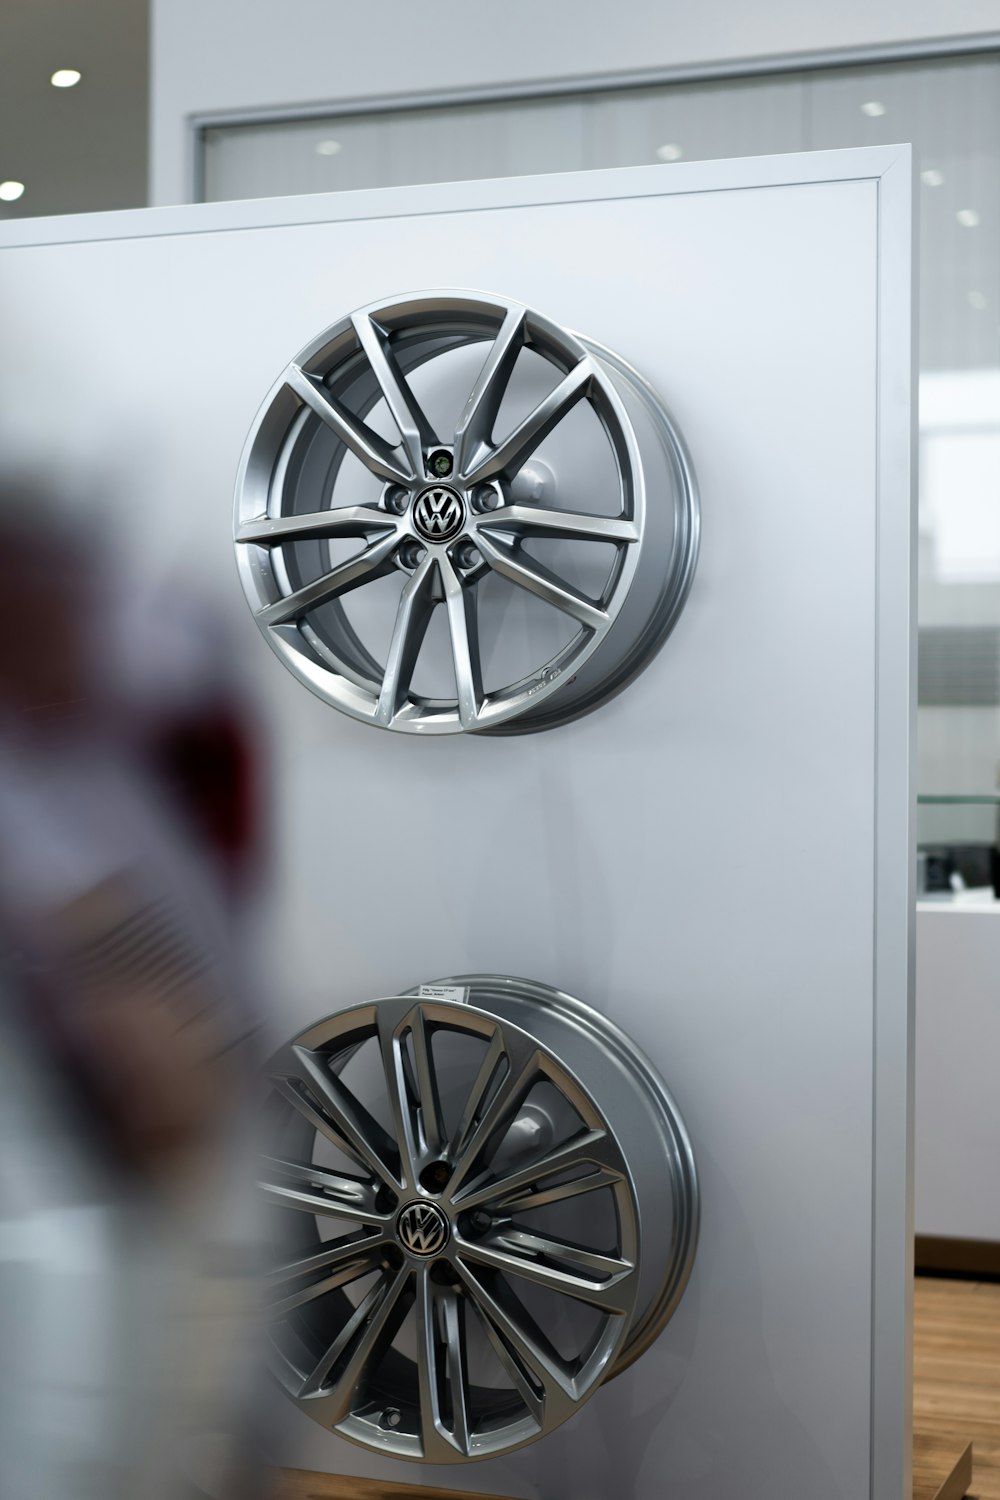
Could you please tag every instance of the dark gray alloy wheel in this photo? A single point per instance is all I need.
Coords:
(458, 449)
(483, 1204)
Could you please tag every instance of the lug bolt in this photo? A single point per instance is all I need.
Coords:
(440, 463)
(410, 554)
(391, 1417)
(396, 499)
(485, 497)
(480, 1221)
(468, 556)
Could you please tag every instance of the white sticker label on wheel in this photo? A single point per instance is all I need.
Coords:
(458, 994)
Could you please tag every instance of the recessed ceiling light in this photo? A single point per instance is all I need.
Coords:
(979, 301)
(873, 108)
(967, 217)
(11, 191)
(669, 152)
(932, 177)
(65, 78)
(328, 148)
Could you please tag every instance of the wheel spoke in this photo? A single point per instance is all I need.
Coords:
(308, 1107)
(373, 451)
(531, 1256)
(520, 1190)
(495, 1058)
(416, 602)
(428, 1098)
(315, 1190)
(400, 1102)
(510, 455)
(524, 1350)
(343, 1261)
(341, 520)
(374, 562)
(414, 428)
(436, 1442)
(463, 624)
(348, 1116)
(366, 1334)
(534, 520)
(475, 428)
(538, 580)
(456, 1343)
(499, 1111)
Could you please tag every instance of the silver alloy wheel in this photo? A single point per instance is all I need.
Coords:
(359, 469)
(467, 1243)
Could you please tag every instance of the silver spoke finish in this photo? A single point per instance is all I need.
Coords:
(346, 520)
(475, 428)
(493, 1067)
(453, 1310)
(365, 444)
(534, 520)
(374, 562)
(433, 1365)
(400, 1102)
(539, 580)
(528, 1346)
(448, 517)
(366, 1333)
(309, 1107)
(513, 453)
(414, 428)
(342, 1263)
(427, 1098)
(503, 1105)
(463, 624)
(292, 1184)
(529, 1256)
(348, 1116)
(591, 1153)
(412, 619)
(449, 1319)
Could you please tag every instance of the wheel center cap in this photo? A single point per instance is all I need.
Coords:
(438, 513)
(422, 1228)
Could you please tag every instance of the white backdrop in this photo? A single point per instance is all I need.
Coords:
(702, 857)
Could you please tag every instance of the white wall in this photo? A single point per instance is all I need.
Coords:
(210, 55)
(957, 1145)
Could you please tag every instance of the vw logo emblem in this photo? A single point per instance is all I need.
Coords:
(438, 513)
(423, 1229)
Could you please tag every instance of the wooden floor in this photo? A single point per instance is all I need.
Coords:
(956, 1391)
(956, 1400)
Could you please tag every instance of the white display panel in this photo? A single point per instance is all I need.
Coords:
(701, 858)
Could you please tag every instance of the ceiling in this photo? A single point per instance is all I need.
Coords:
(82, 148)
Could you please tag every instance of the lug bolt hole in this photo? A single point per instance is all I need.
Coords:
(440, 463)
(396, 499)
(476, 1223)
(485, 497)
(410, 554)
(435, 1176)
(468, 556)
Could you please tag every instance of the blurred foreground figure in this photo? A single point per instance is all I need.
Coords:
(126, 1365)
